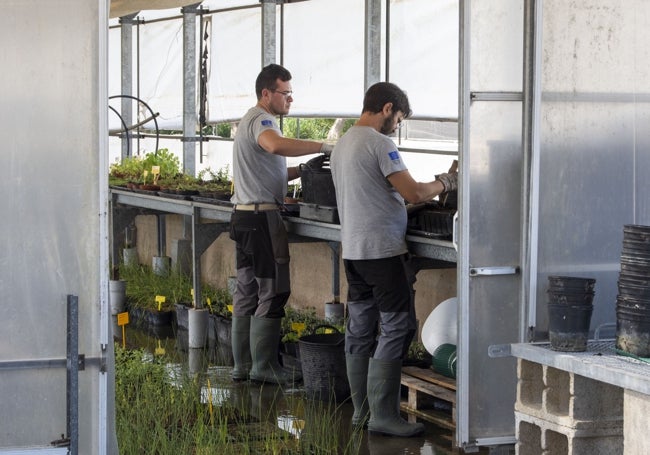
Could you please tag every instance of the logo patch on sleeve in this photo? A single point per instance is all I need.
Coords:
(267, 122)
(394, 155)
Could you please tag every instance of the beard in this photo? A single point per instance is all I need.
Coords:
(387, 127)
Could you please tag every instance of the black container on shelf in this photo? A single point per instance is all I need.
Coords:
(633, 299)
(560, 283)
(570, 298)
(317, 182)
(568, 326)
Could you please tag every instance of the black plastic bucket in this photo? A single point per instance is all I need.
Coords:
(636, 232)
(570, 298)
(568, 326)
(633, 332)
(634, 292)
(317, 182)
(559, 283)
(322, 358)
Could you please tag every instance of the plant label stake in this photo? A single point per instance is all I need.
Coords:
(160, 299)
(229, 308)
(159, 350)
(155, 170)
(210, 401)
(144, 177)
(123, 320)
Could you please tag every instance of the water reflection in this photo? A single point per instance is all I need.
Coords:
(287, 410)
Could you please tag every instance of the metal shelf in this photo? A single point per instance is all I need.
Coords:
(442, 250)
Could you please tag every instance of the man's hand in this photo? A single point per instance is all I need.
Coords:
(326, 149)
(449, 180)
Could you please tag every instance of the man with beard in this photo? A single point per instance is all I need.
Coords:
(372, 184)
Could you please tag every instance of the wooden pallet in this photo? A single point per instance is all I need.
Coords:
(423, 385)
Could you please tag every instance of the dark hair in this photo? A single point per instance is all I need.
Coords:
(385, 92)
(267, 79)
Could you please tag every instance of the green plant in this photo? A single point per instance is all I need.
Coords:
(417, 351)
(143, 285)
(132, 169)
(156, 413)
(298, 322)
(219, 299)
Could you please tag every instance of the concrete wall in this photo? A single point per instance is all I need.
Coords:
(310, 268)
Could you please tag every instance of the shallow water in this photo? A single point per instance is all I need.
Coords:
(271, 404)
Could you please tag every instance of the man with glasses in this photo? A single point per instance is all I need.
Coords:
(260, 176)
(372, 184)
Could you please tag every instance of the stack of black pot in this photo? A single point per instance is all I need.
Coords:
(570, 304)
(633, 300)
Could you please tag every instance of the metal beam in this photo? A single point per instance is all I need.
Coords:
(268, 32)
(372, 43)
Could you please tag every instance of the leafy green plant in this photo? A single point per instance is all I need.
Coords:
(219, 299)
(310, 128)
(132, 169)
(157, 413)
(306, 319)
(143, 285)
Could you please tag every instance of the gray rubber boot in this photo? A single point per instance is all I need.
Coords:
(357, 370)
(265, 340)
(241, 347)
(384, 382)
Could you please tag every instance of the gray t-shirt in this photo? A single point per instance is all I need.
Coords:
(372, 213)
(259, 176)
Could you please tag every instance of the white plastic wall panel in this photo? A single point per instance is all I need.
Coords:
(490, 219)
(50, 232)
(323, 48)
(235, 61)
(595, 143)
(423, 55)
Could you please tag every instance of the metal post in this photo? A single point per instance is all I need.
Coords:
(162, 234)
(126, 35)
(189, 89)
(336, 273)
(268, 32)
(530, 171)
(372, 42)
(72, 365)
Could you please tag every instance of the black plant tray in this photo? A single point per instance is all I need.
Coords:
(150, 193)
(182, 197)
(319, 213)
(290, 209)
(209, 200)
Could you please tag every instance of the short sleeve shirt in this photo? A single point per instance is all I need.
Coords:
(259, 176)
(372, 213)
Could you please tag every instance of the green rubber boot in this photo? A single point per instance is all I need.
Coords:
(241, 347)
(384, 383)
(265, 342)
(357, 369)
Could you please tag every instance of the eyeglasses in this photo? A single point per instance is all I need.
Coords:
(285, 93)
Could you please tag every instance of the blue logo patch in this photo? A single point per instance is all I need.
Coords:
(394, 155)
(267, 122)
